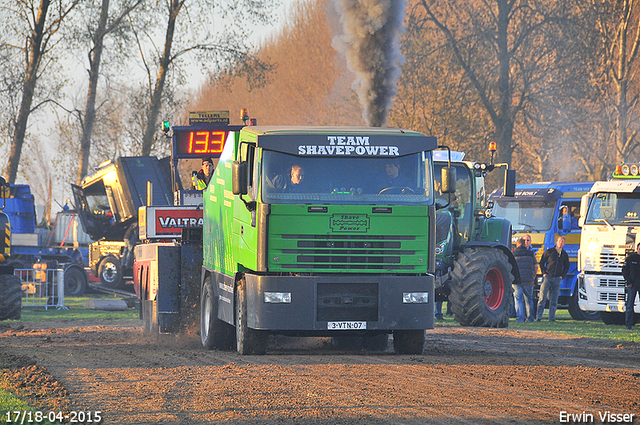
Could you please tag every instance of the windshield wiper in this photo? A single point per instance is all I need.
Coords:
(606, 222)
(530, 227)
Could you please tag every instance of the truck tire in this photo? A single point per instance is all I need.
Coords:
(75, 282)
(481, 291)
(110, 272)
(612, 318)
(577, 313)
(248, 340)
(409, 342)
(214, 333)
(10, 297)
(375, 341)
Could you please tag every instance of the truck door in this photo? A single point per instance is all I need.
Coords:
(94, 212)
(244, 220)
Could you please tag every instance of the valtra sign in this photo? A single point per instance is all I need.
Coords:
(168, 222)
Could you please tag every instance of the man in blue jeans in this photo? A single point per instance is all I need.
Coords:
(528, 266)
(554, 266)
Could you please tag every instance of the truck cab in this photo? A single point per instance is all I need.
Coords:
(108, 202)
(610, 231)
(545, 211)
(346, 251)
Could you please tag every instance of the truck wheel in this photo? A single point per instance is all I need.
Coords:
(577, 313)
(75, 282)
(214, 333)
(110, 272)
(481, 291)
(612, 318)
(375, 342)
(248, 341)
(10, 297)
(409, 342)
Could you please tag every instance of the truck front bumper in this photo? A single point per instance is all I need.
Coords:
(340, 303)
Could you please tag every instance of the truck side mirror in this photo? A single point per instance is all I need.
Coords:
(448, 179)
(239, 177)
(509, 188)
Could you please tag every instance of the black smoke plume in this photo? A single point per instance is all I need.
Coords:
(371, 42)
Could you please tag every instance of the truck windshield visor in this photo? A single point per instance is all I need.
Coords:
(614, 208)
(290, 179)
(527, 216)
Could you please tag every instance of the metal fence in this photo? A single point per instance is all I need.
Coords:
(42, 287)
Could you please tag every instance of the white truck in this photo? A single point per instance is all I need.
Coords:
(610, 221)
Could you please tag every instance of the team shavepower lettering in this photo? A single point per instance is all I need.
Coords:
(348, 145)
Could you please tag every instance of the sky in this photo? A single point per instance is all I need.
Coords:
(259, 33)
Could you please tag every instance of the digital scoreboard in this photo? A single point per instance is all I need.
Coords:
(199, 142)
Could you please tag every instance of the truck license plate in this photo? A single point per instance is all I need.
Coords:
(346, 326)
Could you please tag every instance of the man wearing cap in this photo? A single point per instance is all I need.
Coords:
(201, 178)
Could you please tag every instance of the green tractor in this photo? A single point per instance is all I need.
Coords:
(10, 285)
(474, 264)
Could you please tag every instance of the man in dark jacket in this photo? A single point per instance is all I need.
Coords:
(528, 266)
(554, 266)
(631, 273)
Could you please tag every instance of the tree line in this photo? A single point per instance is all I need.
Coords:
(554, 83)
(134, 54)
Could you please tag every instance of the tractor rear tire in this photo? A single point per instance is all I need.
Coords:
(10, 297)
(481, 291)
(248, 340)
(214, 333)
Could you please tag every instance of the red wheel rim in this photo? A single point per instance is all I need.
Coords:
(493, 289)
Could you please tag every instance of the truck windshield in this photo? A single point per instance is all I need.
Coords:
(526, 215)
(292, 179)
(614, 208)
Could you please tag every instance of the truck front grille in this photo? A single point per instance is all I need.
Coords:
(604, 282)
(352, 302)
(611, 296)
(348, 252)
(611, 261)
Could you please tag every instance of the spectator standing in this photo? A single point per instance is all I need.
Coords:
(528, 266)
(631, 273)
(554, 266)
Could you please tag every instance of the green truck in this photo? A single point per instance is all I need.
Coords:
(319, 231)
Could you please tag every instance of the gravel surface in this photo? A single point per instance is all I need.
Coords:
(466, 375)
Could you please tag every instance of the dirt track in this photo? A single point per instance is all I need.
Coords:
(467, 375)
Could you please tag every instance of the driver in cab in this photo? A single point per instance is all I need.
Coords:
(393, 179)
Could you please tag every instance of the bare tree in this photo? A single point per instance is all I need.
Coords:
(108, 22)
(39, 41)
(190, 17)
(501, 48)
(617, 25)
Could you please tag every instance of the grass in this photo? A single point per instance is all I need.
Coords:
(12, 408)
(75, 311)
(565, 325)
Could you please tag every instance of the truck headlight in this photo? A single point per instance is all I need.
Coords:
(415, 297)
(277, 297)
